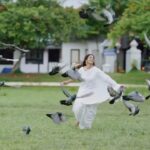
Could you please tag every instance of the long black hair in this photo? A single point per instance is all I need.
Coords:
(85, 58)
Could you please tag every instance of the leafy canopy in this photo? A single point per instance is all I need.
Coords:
(134, 21)
(33, 24)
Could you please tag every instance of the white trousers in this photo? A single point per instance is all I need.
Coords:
(84, 114)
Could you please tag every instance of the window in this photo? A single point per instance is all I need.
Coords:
(54, 55)
(6, 53)
(35, 56)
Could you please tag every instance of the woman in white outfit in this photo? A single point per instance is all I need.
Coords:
(95, 82)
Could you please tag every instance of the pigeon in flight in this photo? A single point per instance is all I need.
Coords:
(7, 59)
(115, 94)
(105, 15)
(109, 14)
(2, 83)
(83, 14)
(146, 39)
(56, 69)
(73, 74)
(90, 12)
(134, 96)
(147, 97)
(148, 83)
(109, 8)
(132, 108)
(65, 71)
(71, 97)
(57, 117)
(98, 17)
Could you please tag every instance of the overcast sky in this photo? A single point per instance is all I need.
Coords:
(71, 3)
(74, 3)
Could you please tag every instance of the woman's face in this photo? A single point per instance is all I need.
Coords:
(90, 60)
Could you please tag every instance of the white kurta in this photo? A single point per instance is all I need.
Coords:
(94, 81)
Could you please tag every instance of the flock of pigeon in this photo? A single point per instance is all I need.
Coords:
(106, 15)
(59, 117)
(73, 73)
(132, 96)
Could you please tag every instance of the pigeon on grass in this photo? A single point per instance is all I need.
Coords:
(26, 130)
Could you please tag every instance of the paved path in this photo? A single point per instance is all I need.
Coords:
(58, 84)
(38, 84)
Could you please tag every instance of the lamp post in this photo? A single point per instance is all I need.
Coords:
(39, 41)
(118, 45)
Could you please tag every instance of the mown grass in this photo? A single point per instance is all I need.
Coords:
(135, 77)
(113, 128)
(31, 77)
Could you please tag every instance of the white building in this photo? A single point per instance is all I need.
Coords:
(42, 61)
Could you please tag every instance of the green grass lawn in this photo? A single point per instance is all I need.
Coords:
(113, 128)
(31, 77)
(135, 77)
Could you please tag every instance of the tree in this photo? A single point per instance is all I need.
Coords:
(30, 25)
(134, 21)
